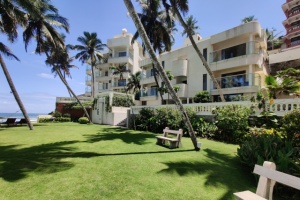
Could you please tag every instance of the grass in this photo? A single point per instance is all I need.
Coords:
(73, 161)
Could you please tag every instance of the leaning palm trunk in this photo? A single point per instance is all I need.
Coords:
(160, 70)
(15, 93)
(71, 91)
(198, 51)
(156, 81)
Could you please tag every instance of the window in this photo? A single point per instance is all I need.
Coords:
(106, 73)
(235, 51)
(204, 82)
(122, 82)
(205, 53)
(163, 64)
(105, 86)
(122, 54)
(144, 103)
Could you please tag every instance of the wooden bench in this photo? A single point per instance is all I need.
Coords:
(175, 142)
(268, 177)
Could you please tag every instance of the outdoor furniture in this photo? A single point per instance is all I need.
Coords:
(22, 121)
(175, 141)
(268, 177)
(9, 122)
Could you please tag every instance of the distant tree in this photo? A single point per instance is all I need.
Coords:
(248, 19)
(134, 82)
(191, 23)
(273, 41)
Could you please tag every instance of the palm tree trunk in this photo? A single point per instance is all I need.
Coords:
(160, 70)
(156, 81)
(15, 93)
(93, 88)
(71, 91)
(198, 51)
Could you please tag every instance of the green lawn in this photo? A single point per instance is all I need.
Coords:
(73, 161)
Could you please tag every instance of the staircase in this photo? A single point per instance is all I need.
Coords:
(123, 123)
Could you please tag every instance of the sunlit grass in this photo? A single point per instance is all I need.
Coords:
(73, 161)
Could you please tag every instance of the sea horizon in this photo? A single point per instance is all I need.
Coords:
(19, 115)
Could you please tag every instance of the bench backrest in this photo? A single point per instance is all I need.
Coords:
(178, 133)
(268, 177)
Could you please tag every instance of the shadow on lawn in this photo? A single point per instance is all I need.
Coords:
(125, 135)
(16, 162)
(221, 170)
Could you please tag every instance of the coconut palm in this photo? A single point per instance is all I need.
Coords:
(160, 69)
(60, 62)
(248, 19)
(158, 31)
(181, 6)
(273, 41)
(90, 51)
(134, 82)
(191, 24)
(11, 16)
(120, 69)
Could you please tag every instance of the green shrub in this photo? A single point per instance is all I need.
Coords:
(291, 126)
(83, 120)
(57, 114)
(66, 115)
(232, 123)
(202, 97)
(45, 120)
(267, 145)
(62, 119)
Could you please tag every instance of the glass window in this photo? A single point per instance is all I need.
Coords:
(205, 53)
(122, 54)
(204, 82)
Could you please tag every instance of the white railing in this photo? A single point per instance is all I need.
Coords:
(280, 106)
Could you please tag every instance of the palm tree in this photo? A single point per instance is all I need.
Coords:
(11, 16)
(279, 86)
(134, 82)
(60, 61)
(90, 51)
(159, 33)
(248, 19)
(120, 69)
(178, 6)
(160, 69)
(191, 24)
(273, 41)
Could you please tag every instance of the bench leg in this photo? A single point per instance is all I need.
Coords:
(173, 145)
(160, 141)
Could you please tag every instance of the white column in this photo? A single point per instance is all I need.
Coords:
(251, 44)
(250, 75)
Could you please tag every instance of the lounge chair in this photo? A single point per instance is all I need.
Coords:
(22, 121)
(9, 122)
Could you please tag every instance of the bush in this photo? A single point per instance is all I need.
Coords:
(267, 145)
(202, 97)
(57, 114)
(57, 119)
(232, 123)
(291, 126)
(66, 115)
(83, 120)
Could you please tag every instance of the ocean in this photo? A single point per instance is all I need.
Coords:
(33, 116)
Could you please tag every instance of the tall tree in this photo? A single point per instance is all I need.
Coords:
(11, 16)
(191, 23)
(160, 69)
(273, 40)
(90, 52)
(181, 6)
(60, 61)
(120, 69)
(154, 21)
(134, 82)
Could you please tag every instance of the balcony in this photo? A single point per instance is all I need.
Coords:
(72, 99)
(179, 68)
(182, 93)
(88, 92)
(119, 84)
(88, 70)
(121, 58)
(119, 42)
(240, 55)
(241, 83)
(149, 94)
(88, 81)
(294, 43)
(101, 78)
(293, 29)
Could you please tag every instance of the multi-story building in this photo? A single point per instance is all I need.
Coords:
(291, 10)
(236, 57)
(122, 54)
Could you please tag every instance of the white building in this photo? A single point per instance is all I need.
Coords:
(236, 57)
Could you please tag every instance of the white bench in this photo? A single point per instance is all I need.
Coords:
(174, 142)
(268, 177)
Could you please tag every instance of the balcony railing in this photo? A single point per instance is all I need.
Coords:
(294, 43)
(293, 28)
(119, 84)
(239, 50)
(149, 92)
(240, 80)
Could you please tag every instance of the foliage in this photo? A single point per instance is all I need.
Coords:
(232, 123)
(291, 126)
(202, 97)
(55, 119)
(57, 114)
(66, 115)
(83, 120)
(268, 145)
(77, 106)
(122, 101)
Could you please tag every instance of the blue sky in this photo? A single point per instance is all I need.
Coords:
(38, 88)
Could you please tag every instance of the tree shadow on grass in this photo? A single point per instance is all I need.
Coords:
(222, 170)
(16, 163)
(125, 135)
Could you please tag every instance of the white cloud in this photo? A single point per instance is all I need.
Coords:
(44, 75)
